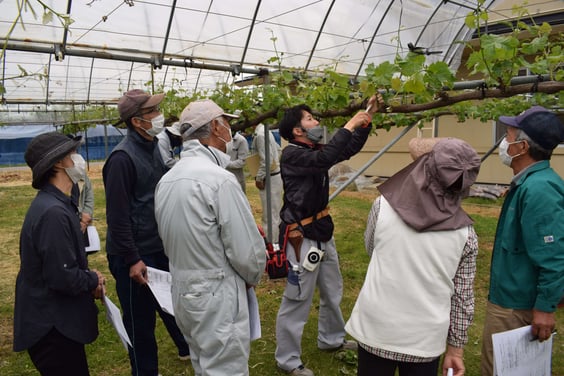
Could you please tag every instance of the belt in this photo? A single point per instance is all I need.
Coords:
(275, 173)
(308, 220)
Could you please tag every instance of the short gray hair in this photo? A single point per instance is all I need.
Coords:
(203, 132)
(537, 152)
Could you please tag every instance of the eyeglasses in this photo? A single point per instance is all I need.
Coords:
(149, 111)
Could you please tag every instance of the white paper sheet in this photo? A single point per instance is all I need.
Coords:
(113, 315)
(516, 354)
(254, 316)
(93, 239)
(160, 283)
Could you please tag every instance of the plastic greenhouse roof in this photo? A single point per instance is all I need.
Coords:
(113, 46)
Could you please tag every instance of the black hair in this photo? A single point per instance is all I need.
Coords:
(129, 124)
(46, 177)
(292, 118)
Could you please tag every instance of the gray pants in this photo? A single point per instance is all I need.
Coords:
(211, 309)
(296, 304)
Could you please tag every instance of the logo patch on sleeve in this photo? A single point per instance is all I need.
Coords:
(549, 239)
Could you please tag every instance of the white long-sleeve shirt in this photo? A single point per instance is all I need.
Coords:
(166, 149)
(215, 251)
(238, 152)
(273, 152)
(205, 220)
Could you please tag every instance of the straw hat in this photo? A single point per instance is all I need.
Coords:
(419, 146)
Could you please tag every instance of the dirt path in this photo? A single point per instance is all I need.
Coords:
(17, 176)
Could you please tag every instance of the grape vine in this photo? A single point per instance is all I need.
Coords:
(413, 89)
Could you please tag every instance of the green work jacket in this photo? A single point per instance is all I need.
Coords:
(527, 269)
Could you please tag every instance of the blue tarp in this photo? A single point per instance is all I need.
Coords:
(96, 139)
(14, 140)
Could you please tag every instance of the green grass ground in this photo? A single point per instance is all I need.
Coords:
(107, 357)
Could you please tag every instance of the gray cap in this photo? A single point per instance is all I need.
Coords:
(199, 113)
(174, 129)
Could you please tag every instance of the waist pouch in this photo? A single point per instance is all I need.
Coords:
(317, 227)
(276, 262)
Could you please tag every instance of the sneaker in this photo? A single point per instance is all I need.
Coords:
(301, 371)
(347, 345)
(184, 357)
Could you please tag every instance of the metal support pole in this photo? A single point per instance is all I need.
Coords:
(87, 150)
(105, 141)
(268, 186)
(489, 152)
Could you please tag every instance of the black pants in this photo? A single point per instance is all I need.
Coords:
(372, 365)
(139, 315)
(56, 355)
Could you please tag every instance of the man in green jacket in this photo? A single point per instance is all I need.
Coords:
(527, 270)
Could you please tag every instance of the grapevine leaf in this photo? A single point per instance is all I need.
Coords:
(47, 17)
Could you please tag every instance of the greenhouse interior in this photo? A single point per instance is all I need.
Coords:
(423, 70)
(64, 59)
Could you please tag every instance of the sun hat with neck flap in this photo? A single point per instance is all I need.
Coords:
(427, 194)
(45, 150)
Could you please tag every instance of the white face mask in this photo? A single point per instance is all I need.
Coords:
(506, 159)
(229, 147)
(228, 144)
(78, 171)
(157, 125)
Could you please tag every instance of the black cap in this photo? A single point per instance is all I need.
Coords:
(540, 124)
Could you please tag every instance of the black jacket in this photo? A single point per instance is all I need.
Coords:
(131, 174)
(54, 286)
(305, 173)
